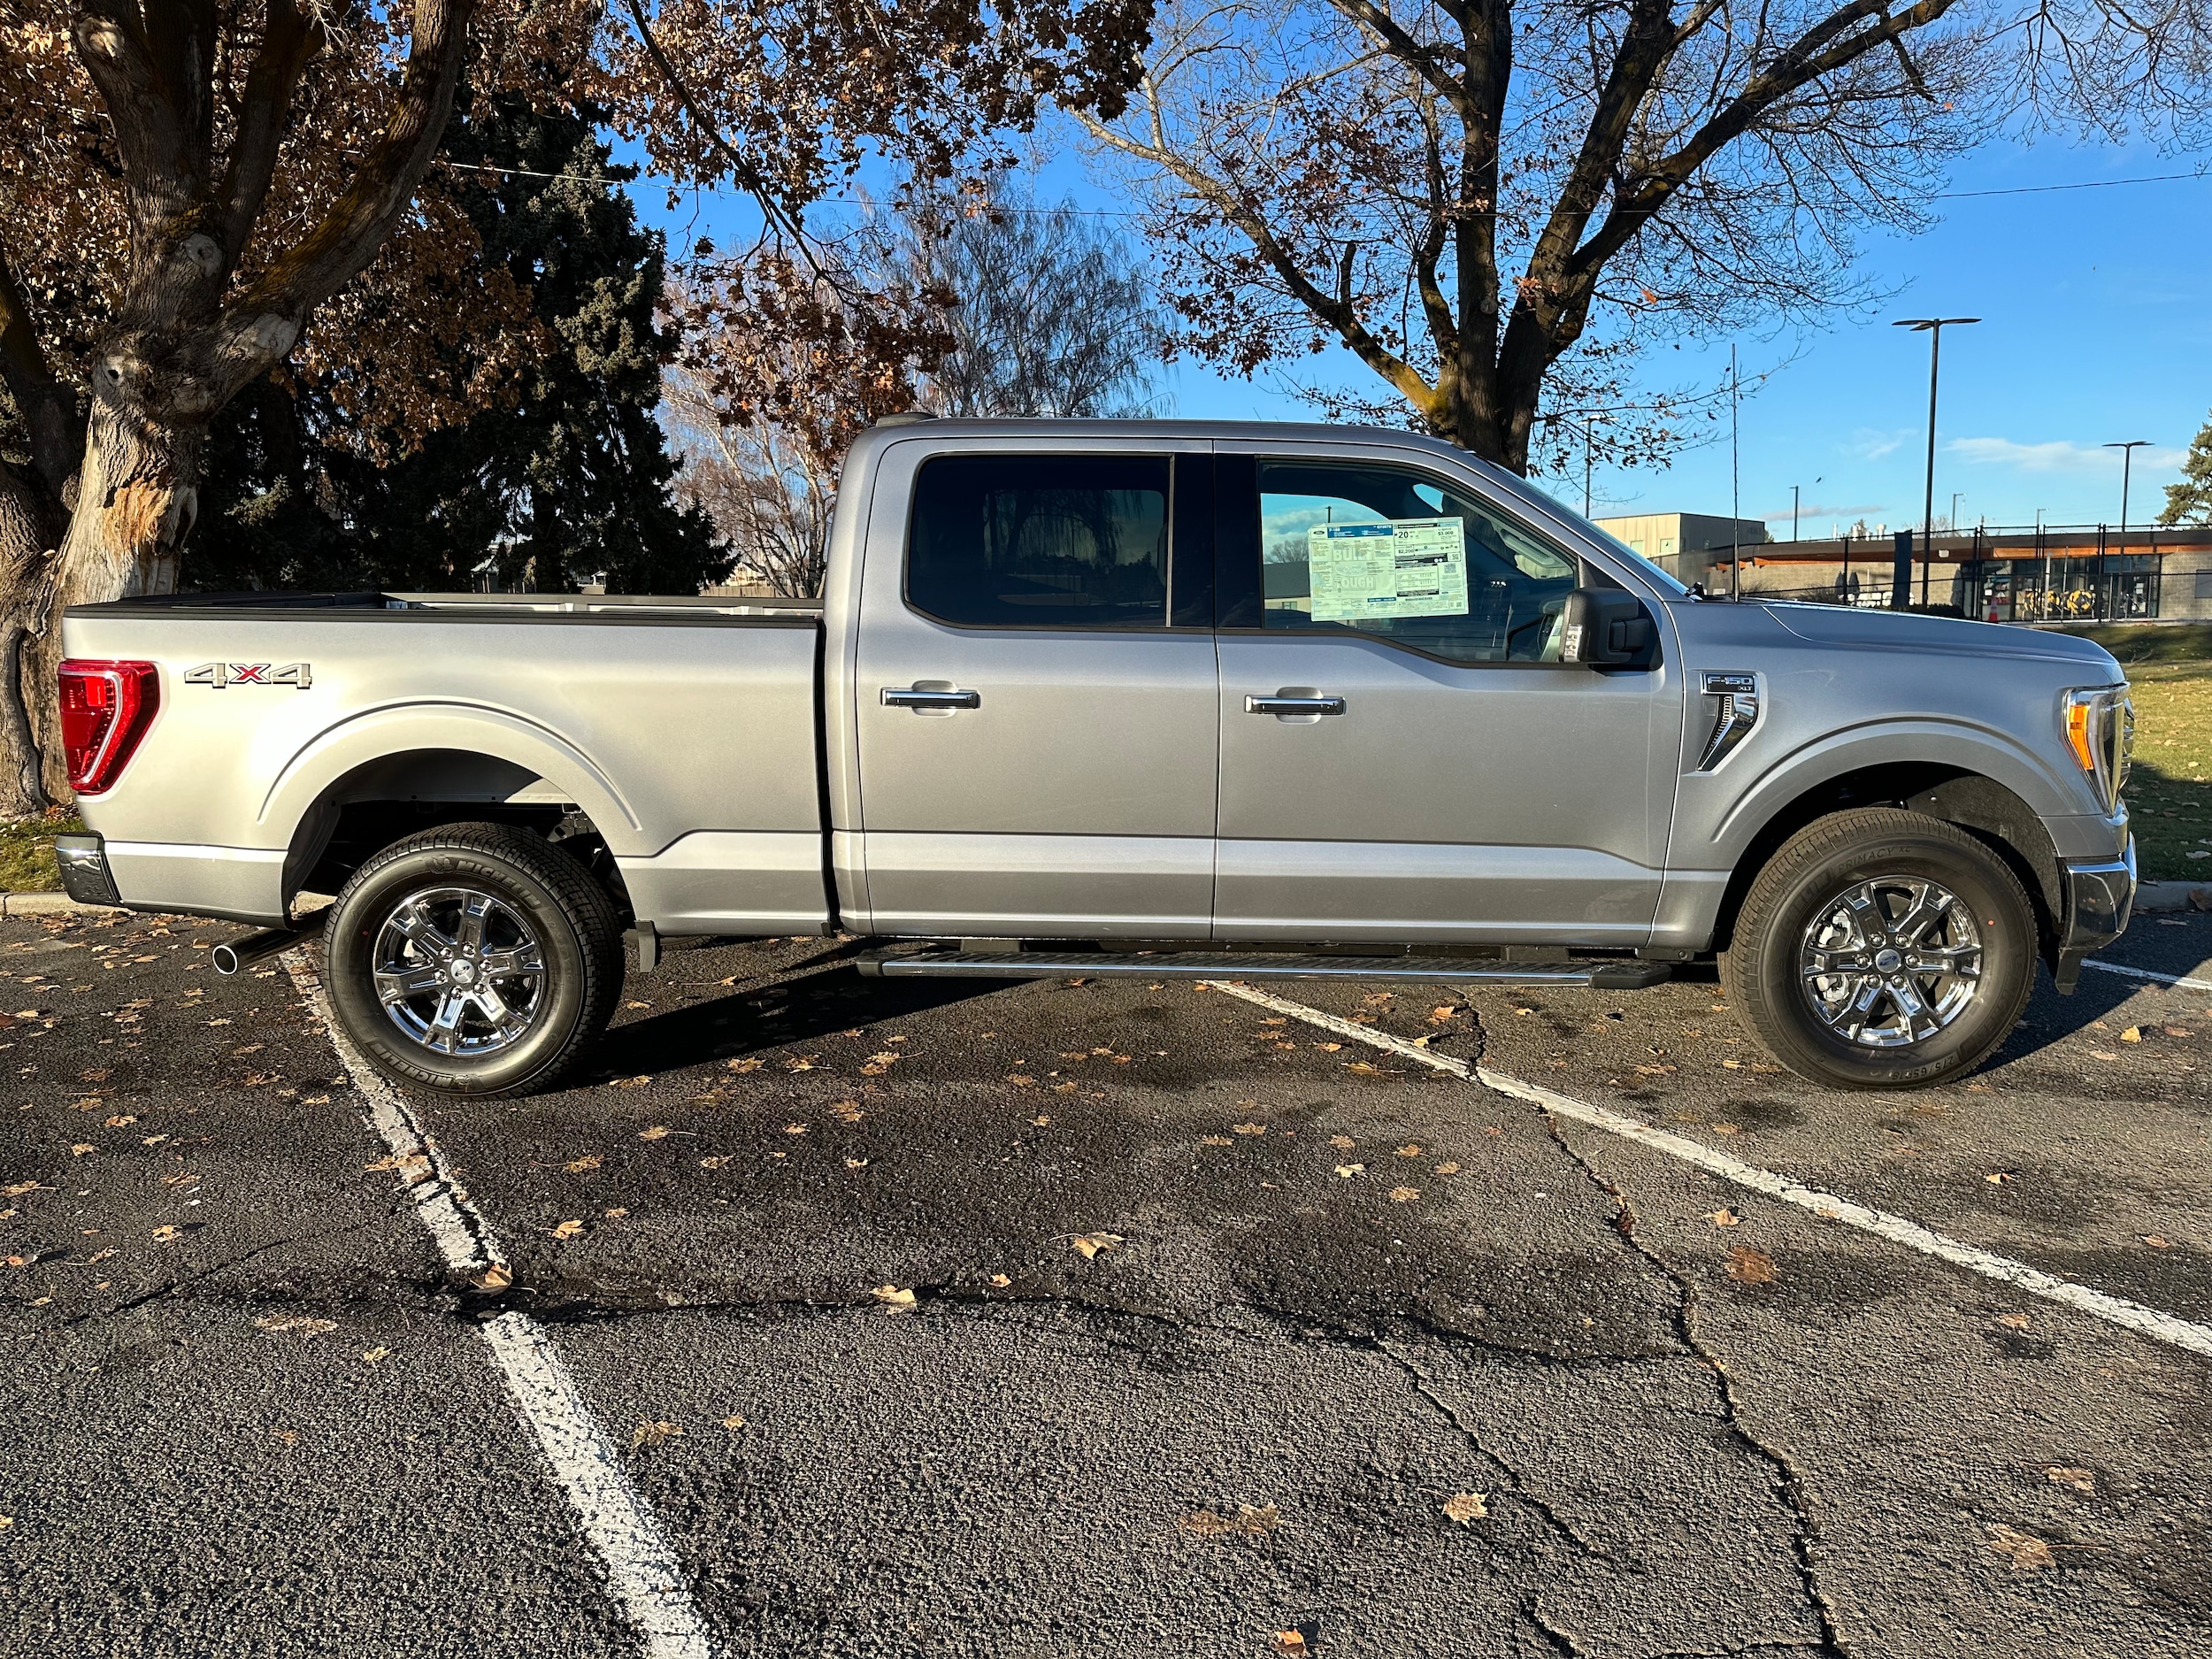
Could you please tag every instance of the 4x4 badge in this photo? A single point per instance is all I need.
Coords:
(299, 676)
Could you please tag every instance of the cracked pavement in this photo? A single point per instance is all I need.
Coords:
(1212, 1314)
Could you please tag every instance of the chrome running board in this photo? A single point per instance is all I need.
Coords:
(1612, 975)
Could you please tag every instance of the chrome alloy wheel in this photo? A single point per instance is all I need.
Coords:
(458, 970)
(1891, 961)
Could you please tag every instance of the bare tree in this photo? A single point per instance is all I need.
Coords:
(1046, 312)
(1495, 205)
(767, 490)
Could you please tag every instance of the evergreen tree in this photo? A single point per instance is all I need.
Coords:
(566, 481)
(2190, 502)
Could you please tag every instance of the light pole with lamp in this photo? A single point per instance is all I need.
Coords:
(1933, 328)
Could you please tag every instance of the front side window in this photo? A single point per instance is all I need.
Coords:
(1389, 552)
(1037, 542)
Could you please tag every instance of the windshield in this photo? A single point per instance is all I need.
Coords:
(1655, 574)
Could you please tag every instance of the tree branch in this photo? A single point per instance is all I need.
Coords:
(1422, 59)
(288, 38)
(268, 318)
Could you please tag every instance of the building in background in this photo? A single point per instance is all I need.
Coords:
(1683, 544)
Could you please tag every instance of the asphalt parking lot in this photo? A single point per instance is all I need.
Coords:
(1086, 1318)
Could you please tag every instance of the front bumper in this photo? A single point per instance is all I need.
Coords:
(85, 876)
(2099, 898)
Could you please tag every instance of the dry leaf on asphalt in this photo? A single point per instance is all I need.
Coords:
(1464, 1507)
(1724, 1217)
(1360, 1067)
(165, 1232)
(747, 1065)
(2081, 1479)
(1292, 1641)
(569, 1230)
(795, 1129)
(654, 1434)
(1328, 1048)
(1001, 1280)
(659, 1132)
(718, 1160)
(1404, 1194)
(1998, 1178)
(1247, 1522)
(893, 1296)
(879, 1064)
(848, 1112)
(2028, 1551)
(2158, 1241)
(1089, 1244)
(734, 1422)
(1408, 1151)
(1342, 1143)
(498, 1276)
(576, 1166)
(630, 1082)
(2014, 1321)
(1748, 1266)
(2133, 1034)
(376, 1354)
(1350, 1170)
(1250, 1129)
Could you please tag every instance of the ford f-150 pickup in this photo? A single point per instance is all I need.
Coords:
(1098, 698)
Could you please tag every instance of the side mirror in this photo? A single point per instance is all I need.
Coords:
(1607, 629)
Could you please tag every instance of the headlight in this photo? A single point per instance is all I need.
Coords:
(2101, 731)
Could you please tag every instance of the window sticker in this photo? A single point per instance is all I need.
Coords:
(1401, 567)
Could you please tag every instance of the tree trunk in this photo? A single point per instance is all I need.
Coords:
(137, 498)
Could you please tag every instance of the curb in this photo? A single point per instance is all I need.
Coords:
(50, 904)
(2173, 896)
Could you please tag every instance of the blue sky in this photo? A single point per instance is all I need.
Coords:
(2098, 326)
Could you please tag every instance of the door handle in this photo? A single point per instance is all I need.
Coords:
(915, 697)
(1283, 703)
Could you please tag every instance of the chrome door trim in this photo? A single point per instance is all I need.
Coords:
(917, 698)
(1283, 703)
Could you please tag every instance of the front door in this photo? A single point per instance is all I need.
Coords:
(1036, 732)
(1403, 757)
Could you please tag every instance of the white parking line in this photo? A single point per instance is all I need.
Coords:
(2147, 1321)
(641, 1569)
(2144, 973)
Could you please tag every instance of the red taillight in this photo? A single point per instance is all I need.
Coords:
(105, 708)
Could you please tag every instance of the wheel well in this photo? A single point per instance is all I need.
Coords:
(1981, 806)
(398, 796)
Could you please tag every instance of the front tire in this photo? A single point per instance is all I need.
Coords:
(1881, 948)
(473, 959)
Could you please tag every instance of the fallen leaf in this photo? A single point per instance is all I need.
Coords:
(1404, 1194)
(578, 1165)
(734, 1422)
(1250, 1129)
(1342, 1143)
(848, 1112)
(2014, 1321)
(1021, 1079)
(1089, 1244)
(795, 1129)
(893, 1296)
(1464, 1507)
(747, 1065)
(630, 1082)
(569, 1230)
(2081, 1479)
(2158, 1241)
(376, 1354)
(1724, 1129)
(855, 1163)
(1748, 1266)
(1328, 1048)
(654, 1434)
(1998, 1178)
(1447, 1169)
(801, 1063)
(498, 1276)
(1041, 1120)
(879, 1064)
(1408, 1151)
(2099, 1054)
(1360, 1067)
(1290, 1641)
(1001, 1280)
(1441, 1014)
(165, 1232)
(82, 1148)
(1732, 1065)
(2027, 1551)
(2133, 1034)
(717, 1162)
(659, 1132)
(290, 1437)
(1248, 1521)
(1724, 1217)
(616, 1213)
(118, 1122)
(1348, 1170)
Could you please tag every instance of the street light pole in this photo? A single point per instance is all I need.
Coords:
(1933, 328)
(1792, 512)
(2127, 465)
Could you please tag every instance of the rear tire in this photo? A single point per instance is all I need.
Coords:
(1881, 948)
(473, 959)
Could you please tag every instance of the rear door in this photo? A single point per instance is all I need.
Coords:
(1403, 757)
(1036, 687)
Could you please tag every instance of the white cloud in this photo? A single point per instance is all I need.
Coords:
(1827, 510)
(2058, 456)
(1869, 445)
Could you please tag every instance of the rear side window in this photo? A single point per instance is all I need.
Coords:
(1040, 542)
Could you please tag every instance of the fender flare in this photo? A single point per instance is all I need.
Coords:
(401, 729)
(1954, 745)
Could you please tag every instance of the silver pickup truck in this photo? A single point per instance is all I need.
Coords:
(1099, 697)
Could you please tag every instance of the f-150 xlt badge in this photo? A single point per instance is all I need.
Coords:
(299, 676)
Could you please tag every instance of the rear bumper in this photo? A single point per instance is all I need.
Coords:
(236, 884)
(85, 876)
(2100, 898)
